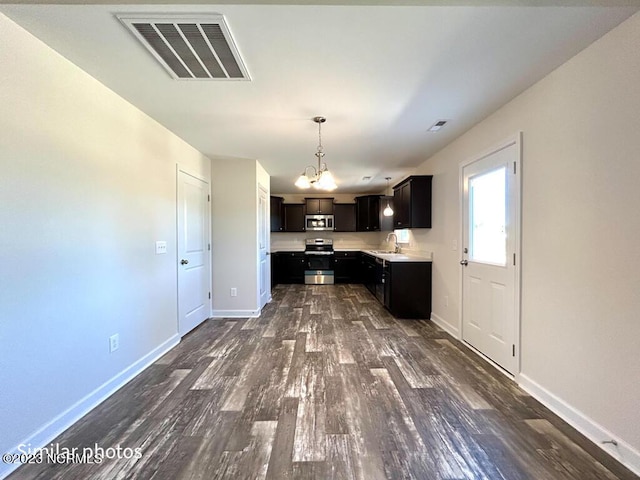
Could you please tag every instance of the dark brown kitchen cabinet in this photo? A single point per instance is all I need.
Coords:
(289, 267)
(275, 268)
(368, 272)
(412, 202)
(344, 217)
(319, 206)
(346, 267)
(277, 224)
(369, 214)
(408, 289)
(293, 214)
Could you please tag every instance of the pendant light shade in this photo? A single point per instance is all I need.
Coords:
(322, 179)
(388, 211)
(303, 181)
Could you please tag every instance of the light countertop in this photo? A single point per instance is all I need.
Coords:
(399, 257)
(389, 257)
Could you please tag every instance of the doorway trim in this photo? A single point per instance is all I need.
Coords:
(516, 140)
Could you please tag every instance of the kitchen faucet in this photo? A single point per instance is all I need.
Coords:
(396, 247)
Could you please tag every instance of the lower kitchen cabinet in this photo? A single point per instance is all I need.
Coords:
(275, 268)
(369, 275)
(404, 288)
(289, 267)
(407, 290)
(346, 267)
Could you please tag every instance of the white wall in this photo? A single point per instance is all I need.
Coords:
(580, 280)
(88, 184)
(234, 223)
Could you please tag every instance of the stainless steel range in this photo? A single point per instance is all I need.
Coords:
(320, 257)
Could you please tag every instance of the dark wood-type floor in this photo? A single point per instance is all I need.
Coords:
(327, 385)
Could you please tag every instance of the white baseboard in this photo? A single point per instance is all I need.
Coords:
(447, 327)
(235, 313)
(623, 452)
(48, 432)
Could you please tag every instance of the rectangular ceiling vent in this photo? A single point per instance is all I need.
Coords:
(437, 126)
(190, 47)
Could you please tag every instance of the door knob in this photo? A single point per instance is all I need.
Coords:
(464, 262)
(184, 262)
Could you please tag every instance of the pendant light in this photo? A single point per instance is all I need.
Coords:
(322, 179)
(388, 211)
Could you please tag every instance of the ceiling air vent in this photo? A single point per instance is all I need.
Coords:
(190, 47)
(437, 126)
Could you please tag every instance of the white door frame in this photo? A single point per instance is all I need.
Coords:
(517, 141)
(199, 176)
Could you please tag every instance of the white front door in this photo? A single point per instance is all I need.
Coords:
(194, 264)
(263, 245)
(490, 253)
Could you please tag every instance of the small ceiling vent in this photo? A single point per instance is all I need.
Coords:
(190, 47)
(437, 126)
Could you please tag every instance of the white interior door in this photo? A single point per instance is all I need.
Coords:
(194, 264)
(490, 252)
(263, 245)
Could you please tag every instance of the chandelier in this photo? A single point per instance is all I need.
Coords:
(321, 179)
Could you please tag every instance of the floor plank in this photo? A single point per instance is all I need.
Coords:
(326, 384)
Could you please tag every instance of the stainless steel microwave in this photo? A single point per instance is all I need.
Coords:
(318, 222)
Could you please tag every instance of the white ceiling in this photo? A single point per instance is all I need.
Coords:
(380, 74)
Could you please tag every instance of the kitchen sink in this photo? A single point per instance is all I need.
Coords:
(385, 252)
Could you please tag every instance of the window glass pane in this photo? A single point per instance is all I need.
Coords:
(487, 217)
(402, 235)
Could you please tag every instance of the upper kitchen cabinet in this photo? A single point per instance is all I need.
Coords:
(293, 214)
(412, 202)
(344, 217)
(367, 213)
(369, 217)
(277, 224)
(319, 206)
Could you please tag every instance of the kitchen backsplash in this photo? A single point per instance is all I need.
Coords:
(341, 240)
(348, 241)
(418, 243)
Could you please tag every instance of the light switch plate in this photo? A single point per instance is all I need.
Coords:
(161, 247)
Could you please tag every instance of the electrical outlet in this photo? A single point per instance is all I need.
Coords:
(114, 342)
(446, 300)
(454, 245)
(161, 247)
(234, 292)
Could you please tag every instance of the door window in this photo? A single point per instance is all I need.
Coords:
(487, 217)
